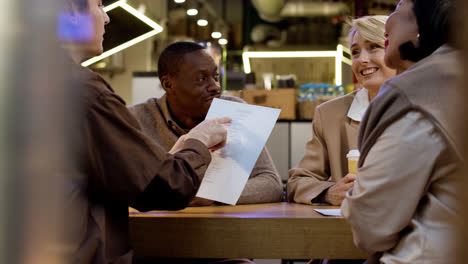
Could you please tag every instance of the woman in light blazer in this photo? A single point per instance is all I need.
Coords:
(322, 174)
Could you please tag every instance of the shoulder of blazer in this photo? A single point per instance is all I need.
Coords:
(339, 106)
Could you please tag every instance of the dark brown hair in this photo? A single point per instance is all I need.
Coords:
(434, 22)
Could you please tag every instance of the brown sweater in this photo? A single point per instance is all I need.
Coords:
(264, 184)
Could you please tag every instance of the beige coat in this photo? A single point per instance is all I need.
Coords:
(324, 162)
(404, 201)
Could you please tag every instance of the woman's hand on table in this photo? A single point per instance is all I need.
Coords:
(336, 194)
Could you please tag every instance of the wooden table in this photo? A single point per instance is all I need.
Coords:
(271, 231)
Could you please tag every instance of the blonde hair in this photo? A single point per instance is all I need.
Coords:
(371, 28)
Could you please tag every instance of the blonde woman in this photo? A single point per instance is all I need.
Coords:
(322, 174)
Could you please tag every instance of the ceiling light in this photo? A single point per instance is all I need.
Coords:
(222, 41)
(216, 35)
(112, 6)
(179, 1)
(202, 22)
(192, 12)
(122, 3)
(202, 17)
(192, 7)
(338, 55)
(218, 29)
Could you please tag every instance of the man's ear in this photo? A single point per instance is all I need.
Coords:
(166, 83)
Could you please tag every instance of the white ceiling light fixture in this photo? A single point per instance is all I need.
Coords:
(202, 18)
(216, 34)
(202, 22)
(337, 54)
(192, 8)
(192, 12)
(223, 41)
(179, 1)
(122, 3)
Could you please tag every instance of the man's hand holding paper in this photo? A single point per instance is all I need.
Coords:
(211, 132)
(231, 166)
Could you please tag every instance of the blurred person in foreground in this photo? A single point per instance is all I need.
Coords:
(403, 203)
(190, 77)
(118, 164)
(322, 174)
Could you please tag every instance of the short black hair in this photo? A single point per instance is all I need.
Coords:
(173, 55)
(434, 18)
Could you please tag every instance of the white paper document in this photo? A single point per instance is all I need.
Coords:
(329, 212)
(231, 166)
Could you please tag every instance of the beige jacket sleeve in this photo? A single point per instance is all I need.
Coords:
(311, 176)
(391, 183)
(264, 184)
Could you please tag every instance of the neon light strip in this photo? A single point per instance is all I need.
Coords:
(345, 49)
(113, 5)
(344, 59)
(142, 17)
(289, 54)
(338, 70)
(347, 61)
(245, 60)
(338, 55)
(133, 11)
(282, 54)
(119, 48)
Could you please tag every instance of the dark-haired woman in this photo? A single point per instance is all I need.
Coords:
(403, 203)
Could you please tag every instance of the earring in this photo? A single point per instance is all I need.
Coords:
(418, 36)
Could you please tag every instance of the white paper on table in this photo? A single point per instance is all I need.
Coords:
(231, 166)
(329, 212)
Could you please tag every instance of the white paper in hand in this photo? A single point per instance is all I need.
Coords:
(231, 166)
